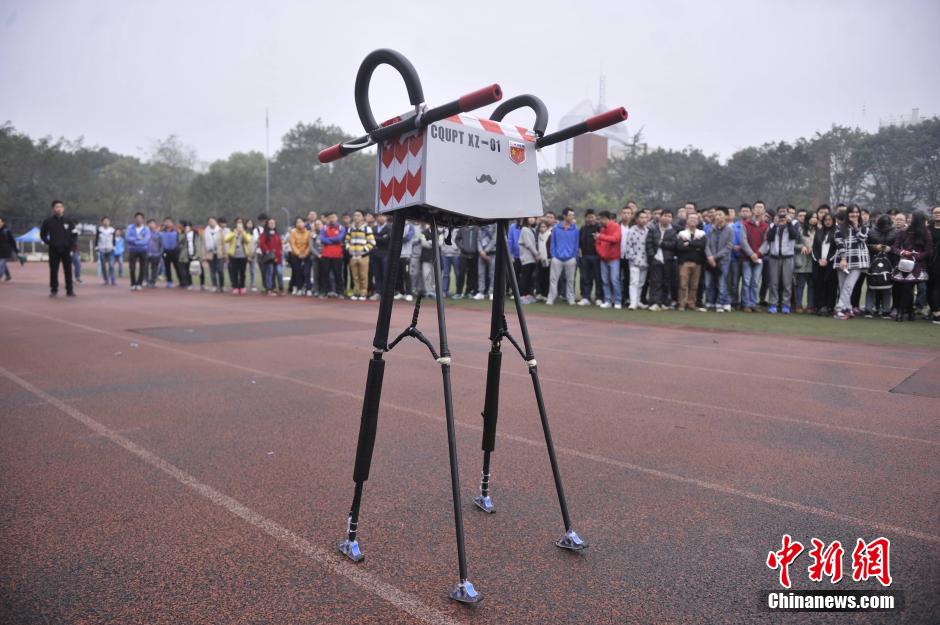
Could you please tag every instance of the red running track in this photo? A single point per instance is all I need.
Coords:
(172, 457)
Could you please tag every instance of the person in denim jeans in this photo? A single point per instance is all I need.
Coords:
(450, 261)
(104, 245)
(737, 260)
(752, 262)
(607, 245)
(719, 242)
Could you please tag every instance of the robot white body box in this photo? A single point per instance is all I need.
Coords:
(471, 168)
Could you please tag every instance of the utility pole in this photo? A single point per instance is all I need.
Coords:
(267, 165)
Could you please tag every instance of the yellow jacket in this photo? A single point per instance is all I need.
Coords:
(230, 242)
(300, 242)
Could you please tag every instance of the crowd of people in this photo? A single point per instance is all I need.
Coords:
(841, 262)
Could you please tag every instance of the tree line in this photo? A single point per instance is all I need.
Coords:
(896, 167)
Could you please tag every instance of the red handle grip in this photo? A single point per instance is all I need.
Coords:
(606, 119)
(480, 97)
(330, 154)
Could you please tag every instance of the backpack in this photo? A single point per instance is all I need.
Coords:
(879, 273)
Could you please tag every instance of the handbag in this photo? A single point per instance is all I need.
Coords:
(268, 257)
(195, 266)
(906, 265)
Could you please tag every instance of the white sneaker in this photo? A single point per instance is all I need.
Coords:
(702, 309)
(491, 297)
(549, 302)
(631, 307)
(409, 298)
(617, 306)
(642, 306)
(584, 302)
(720, 309)
(726, 308)
(654, 308)
(478, 296)
(600, 305)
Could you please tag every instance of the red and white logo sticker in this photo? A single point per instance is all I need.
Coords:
(517, 152)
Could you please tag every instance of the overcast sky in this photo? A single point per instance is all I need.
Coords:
(716, 75)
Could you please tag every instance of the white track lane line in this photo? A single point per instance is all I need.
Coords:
(721, 488)
(369, 583)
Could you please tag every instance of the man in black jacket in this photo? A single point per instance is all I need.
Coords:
(588, 260)
(59, 233)
(8, 249)
(661, 244)
(378, 258)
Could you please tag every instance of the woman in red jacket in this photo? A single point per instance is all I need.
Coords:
(271, 248)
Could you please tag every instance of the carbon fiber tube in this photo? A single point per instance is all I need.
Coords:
(370, 418)
(491, 400)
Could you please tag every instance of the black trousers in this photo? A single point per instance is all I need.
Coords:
(527, 281)
(296, 273)
(333, 277)
(661, 277)
(137, 263)
(378, 266)
(170, 264)
(857, 290)
(467, 283)
(60, 256)
(590, 277)
(825, 284)
(237, 266)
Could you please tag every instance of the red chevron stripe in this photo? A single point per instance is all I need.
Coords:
(385, 191)
(413, 182)
(491, 126)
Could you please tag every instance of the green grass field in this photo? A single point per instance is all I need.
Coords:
(919, 333)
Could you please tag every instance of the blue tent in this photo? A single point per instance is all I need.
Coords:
(30, 237)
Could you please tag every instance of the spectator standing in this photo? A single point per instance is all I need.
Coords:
(332, 237)
(450, 260)
(170, 236)
(933, 271)
(607, 246)
(626, 220)
(690, 253)
(359, 243)
(466, 240)
(119, 246)
(316, 256)
(8, 249)
(104, 247)
(238, 247)
(271, 246)
(138, 243)
(589, 261)
(486, 262)
(379, 257)
(543, 271)
(783, 237)
(752, 262)
(824, 261)
(913, 248)
(255, 233)
(404, 286)
(512, 235)
(154, 253)
(718, 243)
(59, 233)
(192, 251)
(661, 256)
(637, 258)
(564, 250)
(803, 264)
(737, 258)
(215, 254)
(851, 255)
(528, 258)
(299, 238)
(881, 236)
(424, 250)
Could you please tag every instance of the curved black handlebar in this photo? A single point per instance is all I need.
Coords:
(521, 101)
(384, 56)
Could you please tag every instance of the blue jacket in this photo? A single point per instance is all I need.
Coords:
(738, 229)
(155, 248)
(135, 244)
(564, 242)
(118, 246)
(514, 233)
(170, 240)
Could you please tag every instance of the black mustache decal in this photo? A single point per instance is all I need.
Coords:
(486, 178)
